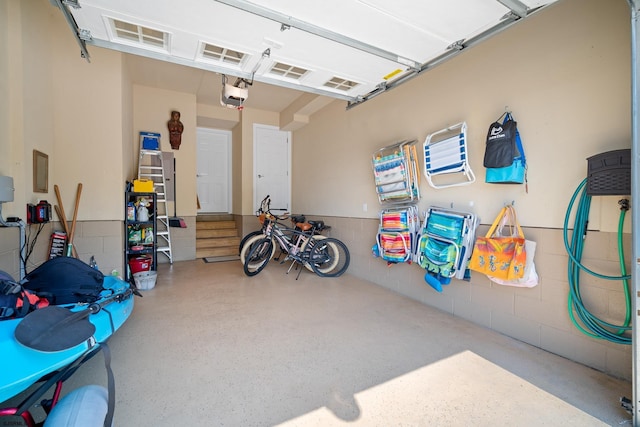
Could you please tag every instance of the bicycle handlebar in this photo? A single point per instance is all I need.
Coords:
(283, 216)
(265, 208)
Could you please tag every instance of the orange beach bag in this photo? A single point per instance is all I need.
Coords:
(497, 255)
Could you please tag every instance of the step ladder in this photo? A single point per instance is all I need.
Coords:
(150, 166)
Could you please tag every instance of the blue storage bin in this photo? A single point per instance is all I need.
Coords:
(150, 140)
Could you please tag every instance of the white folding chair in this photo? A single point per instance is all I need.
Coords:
(445, 153)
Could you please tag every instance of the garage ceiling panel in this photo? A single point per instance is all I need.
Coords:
(373, 43)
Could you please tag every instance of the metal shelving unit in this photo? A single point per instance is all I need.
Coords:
(134, 246)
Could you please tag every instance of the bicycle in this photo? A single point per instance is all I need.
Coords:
(325, 256)
(298, 221)
(261, 214)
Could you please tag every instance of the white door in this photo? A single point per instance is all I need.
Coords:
(213, 170)
(272, 153)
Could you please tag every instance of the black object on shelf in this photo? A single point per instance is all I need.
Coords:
(609, 173)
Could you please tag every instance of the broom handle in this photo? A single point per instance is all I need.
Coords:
(61, 214)
(66, 229)
(175, 198)
(75, 217)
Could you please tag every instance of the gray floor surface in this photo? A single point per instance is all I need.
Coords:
(209, 346)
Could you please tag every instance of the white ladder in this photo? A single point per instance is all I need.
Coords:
(150, 166)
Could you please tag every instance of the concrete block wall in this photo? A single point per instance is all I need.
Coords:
(183, 242)
(10, 251)
(101, 239)
(104, 240)
(538, 316)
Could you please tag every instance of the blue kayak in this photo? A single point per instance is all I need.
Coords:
(27, 366)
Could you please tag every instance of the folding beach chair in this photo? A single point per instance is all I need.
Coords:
(445, 153)
(396, 173)
(445, 245)
(397, 236)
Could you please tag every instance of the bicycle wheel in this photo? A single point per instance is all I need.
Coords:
(246, 238)
(258, 257)
(249, 243)
(329, 257)
(306, 246)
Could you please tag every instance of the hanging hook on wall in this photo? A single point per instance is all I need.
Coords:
(506, 111)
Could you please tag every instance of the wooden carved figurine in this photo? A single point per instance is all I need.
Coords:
(175, 130)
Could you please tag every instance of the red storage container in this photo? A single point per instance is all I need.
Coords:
(139, 264)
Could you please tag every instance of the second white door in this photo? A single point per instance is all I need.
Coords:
(272, 153)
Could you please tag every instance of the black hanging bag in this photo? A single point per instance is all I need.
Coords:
(504, 154)
(65, 280)
(501, 143)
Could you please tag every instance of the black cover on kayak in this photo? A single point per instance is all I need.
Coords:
(65, 280)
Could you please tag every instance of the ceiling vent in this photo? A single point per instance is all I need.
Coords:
(341, 84)
(288, 71)
(140, 35)
(222, 54)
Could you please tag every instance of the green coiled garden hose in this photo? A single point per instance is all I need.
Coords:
(588, 323)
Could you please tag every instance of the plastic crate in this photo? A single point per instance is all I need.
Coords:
(142, 186)
(150, 140)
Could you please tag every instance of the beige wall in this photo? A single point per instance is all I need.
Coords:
(27, 94)
(129, 143)
(237, 168)
(72, 111)
(87, 128)
(152, 110)
(565, 74)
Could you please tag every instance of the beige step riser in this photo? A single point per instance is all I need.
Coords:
(207, 234)
(213, 218)
(217, 243)
(215, 225)
(202, 253)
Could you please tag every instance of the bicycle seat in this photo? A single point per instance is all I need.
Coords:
(304, 226)
(298, 218)
(319, 225)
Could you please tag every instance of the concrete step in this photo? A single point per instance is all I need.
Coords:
(218, 242)
(216, 236)
(211, 233)
(210, 252)
(215, 225)
(214, 217)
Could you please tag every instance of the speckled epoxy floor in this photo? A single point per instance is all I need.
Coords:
(209, 346)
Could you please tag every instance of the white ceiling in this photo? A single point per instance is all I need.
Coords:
(204, 84)
(374, 44)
